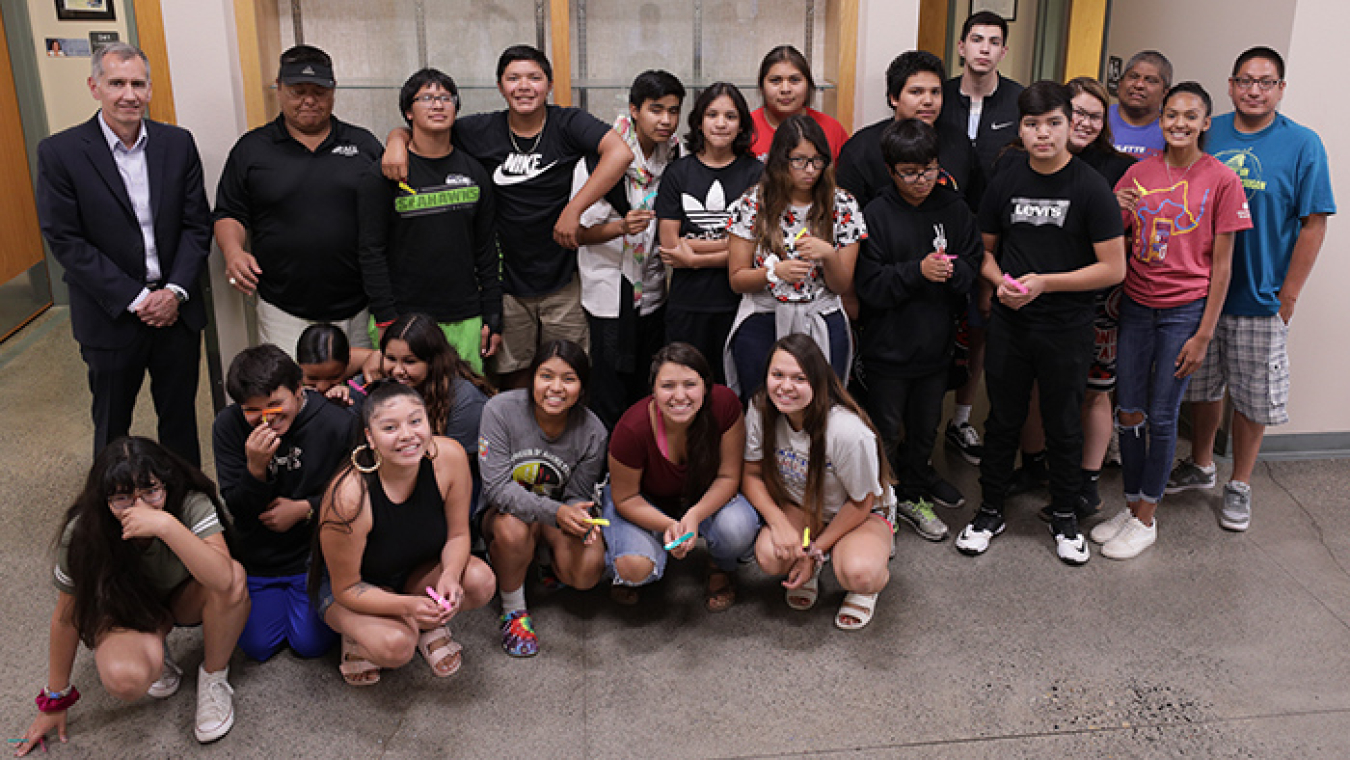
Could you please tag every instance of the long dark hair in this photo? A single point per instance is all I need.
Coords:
(792, 56)
(335, 516)
(775, 185)
(826, 393)
(1105, 142)
(703, 441)
(112, 589)
(576, 358)
(427, 342)
(745, 135)
(1196, 89)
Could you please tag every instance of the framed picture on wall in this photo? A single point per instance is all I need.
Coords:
(85, 10)
(1005, 8)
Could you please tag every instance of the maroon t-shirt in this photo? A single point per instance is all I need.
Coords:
(633, 444)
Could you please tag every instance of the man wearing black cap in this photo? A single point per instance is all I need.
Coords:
(290, 185)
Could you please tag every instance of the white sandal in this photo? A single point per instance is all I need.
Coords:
(804, 596)
(857, 606)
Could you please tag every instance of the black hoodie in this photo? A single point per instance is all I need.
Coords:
(318, 440)
(908, 322)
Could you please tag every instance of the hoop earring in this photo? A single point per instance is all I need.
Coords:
(432, 451)
(357, 463)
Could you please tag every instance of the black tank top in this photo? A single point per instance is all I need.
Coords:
(403, 536)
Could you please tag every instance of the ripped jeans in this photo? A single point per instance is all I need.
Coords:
(1146, 354)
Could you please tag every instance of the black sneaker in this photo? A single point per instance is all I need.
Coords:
(945, 494)
(1085, 508)
(1070, 543)
(966, 441)
(975, 537)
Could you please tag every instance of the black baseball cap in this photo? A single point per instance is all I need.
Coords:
(306, 64)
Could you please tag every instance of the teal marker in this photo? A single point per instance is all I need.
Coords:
(679, 540)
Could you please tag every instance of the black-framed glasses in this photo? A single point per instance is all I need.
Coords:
(801, 162)
(911, 176)
(1090, 118)
(1265, 85)
(154, 496)
(444, 99)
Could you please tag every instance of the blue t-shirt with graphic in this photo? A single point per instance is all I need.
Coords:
(1140, 142)
(1284, 172)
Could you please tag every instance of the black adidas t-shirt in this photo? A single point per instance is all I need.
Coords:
(698, 196)
(1048, 224)
(533, 186)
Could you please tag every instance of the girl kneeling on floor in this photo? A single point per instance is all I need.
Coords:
(142, 550)
(675, 473)
(828, 474)
(541, 452)
(394, 522)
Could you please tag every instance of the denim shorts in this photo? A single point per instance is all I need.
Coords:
(730, 534)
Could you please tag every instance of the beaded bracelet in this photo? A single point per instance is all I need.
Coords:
(50, 701)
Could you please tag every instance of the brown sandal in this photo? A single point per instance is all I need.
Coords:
(357, 670)
(720, 595)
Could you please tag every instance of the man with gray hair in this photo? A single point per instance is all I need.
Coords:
(121, 204)
(1139, 96)
(289, 188)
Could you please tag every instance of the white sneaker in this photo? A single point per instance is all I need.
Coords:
(1108, 529)
(215, 705)
(975, 537)
(1131, 540)
(1070, 544)
(170, 678)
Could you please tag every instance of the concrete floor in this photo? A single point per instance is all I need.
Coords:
(1210, 645)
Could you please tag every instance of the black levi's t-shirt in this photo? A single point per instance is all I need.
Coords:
(532, 179)
(1048, 224)
(698, 196)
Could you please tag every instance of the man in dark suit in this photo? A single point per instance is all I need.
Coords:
(121, 204)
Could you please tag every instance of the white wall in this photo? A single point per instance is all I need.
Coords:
(886, 28)
(209, 101)
(1314, 97)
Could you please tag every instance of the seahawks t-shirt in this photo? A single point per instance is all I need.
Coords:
(700, 197)
(533, 182)
(1048, 223)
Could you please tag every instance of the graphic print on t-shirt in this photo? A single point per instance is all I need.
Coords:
(539, 472)
(1247, 165)
(1040, 211)
(457, 191)
(1168, 212)
(711, 214)
(518, 168)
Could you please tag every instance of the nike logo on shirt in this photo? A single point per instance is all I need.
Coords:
(518, 168)
(1004, 125)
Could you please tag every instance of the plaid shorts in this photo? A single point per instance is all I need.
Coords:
(1249, 356)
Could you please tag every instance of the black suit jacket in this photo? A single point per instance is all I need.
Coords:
(87, 219)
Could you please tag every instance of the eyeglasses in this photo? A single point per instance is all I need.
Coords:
(815, 162)
(443, 100)
(1244, 83)
(911, 176)
(154, 496)
(1090, 118)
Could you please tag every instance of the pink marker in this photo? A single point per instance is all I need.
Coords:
(437, 598)
(1015, 284)
(946, 256)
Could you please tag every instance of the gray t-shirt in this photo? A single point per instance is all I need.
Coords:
(851, 469)
(529, 475)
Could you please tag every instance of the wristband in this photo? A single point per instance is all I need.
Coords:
(52, 701)
(770, 262)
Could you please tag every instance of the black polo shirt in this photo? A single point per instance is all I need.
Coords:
(299, 208)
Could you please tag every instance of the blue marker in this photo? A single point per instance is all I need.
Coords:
(679, 540)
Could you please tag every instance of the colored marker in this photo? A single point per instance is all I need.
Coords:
(1007, 278)
(271, 411)
(798, 236)
(679, 541)
(406, 187)
(647, 199)
(946, 256)
(437, 598)
(596, 521)
(806, 538)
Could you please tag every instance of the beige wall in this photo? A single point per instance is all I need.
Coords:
(886, 28)
(65, 89)
(1021, 40)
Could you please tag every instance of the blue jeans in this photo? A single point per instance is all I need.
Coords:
(730, 534)
(281, 615)
(753, 341)
(1146, 355)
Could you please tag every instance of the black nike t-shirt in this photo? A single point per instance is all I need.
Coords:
(698, 196)
(532, 178)
(1048, 223)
